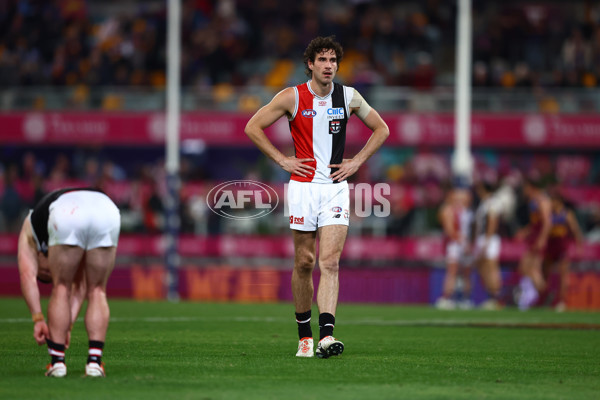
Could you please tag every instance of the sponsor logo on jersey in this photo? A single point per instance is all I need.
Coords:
(336, 209)
(310, 113)
(322, 103)
(335, 127)
(335, 113)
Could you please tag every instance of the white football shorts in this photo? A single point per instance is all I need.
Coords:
(313, 205)
(84, 219)
(456, 252)
(490, 249)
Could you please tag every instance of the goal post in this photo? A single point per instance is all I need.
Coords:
(172, 222)
(462, 159)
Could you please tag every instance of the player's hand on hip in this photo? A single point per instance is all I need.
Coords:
(298, 166)
(345, 170)
(40, 332)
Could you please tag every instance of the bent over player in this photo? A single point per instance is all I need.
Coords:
(69, 239)
(318, 194)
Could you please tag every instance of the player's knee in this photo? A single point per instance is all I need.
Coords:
(304, 261)
(329, 266)
(305, 265)
(96, 293)
(452, 268)
(61, 289)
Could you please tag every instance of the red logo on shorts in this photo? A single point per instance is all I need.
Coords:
(299, 221)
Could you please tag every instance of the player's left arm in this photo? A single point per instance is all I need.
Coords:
(445, 218)
(371, 118)
(546, 216)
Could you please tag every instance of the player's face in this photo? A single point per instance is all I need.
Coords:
(324, 67)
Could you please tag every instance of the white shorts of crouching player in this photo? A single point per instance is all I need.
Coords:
(489, 249)
(85, 219)
(313, 205)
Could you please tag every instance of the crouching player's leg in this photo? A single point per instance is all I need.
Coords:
(63, 261)
(100, 261)
(99, 265)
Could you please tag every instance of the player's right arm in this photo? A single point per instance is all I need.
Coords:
(446, 220)
(576, 230)
(282, 104)
(28, 268)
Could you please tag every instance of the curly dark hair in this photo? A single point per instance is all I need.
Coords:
(319, 44)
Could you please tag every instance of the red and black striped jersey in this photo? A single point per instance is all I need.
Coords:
(318, 127)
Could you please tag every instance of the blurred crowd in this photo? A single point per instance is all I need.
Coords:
(91, 43)
(87, 44)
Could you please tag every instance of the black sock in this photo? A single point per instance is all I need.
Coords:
(95, 351)
(56, 351)
(326, 324)
(303, 320)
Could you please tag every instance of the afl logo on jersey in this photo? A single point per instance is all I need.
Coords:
(310, 113)
(335, 127)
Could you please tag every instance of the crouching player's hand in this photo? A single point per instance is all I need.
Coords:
(40, 332)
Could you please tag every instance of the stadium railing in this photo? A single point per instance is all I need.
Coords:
(249, 98)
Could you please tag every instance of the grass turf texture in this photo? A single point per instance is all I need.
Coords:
(246, 351)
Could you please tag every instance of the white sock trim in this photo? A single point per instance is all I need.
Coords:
(95, 352)
(53, 352)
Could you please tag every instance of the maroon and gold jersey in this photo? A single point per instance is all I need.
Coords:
(559, 237)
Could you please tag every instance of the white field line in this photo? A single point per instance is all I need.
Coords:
(362, 322)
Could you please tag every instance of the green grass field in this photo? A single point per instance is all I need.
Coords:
(246, 351)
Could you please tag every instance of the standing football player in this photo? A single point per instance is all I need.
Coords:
(318, 194)
(455, 217)
(488, 243)
(564, 229)
(536, 232)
